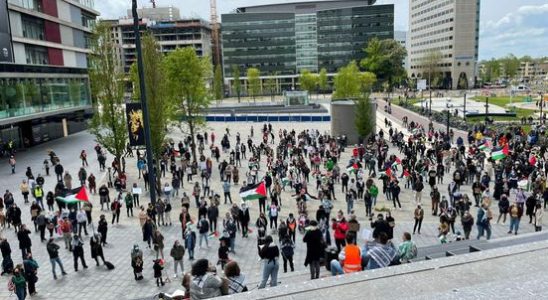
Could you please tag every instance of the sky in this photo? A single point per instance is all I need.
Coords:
(519, 27)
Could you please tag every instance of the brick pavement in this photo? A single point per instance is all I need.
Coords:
(98, 283)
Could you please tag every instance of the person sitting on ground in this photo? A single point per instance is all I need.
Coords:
(407, 249)
(382, 255)
(350, 257)
(205, 283)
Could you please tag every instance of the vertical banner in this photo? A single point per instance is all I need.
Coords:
(135, 124)
(6, 49)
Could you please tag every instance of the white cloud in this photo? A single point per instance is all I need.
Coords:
(521, 32)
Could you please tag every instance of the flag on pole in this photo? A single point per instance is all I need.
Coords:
(75, 195)
(500, 154)
(253, 192)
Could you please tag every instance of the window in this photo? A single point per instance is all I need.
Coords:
(36, 55)
(88, 20)
(33, 28)
(31, 4)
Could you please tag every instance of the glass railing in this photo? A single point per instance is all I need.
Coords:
(21, 97)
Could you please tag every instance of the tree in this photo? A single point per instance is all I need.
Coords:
(271, 85)
(160, 107)
(108, 124)
(253, 82)
(218, 85)
(510, 64)
(430, 66)
(187, 75)
(491, 70)
(347, 82)
(237, 85)
(367, 81)
(322, 80)
(308, 81)
(365, 121)
(385, 59)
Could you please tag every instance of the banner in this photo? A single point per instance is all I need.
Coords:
(135, 124)
(6, 49)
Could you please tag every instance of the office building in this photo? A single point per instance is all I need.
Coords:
(450, 28)
(401, 37)
(281, 40)
(44, 84)
(167, 27)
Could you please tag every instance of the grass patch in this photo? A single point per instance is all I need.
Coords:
(501, 101)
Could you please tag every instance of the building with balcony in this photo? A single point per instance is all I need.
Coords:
(281, 40)
(44, 85)
(168, 28)
(449, 28)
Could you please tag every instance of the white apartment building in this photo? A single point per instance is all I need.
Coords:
(450, 27)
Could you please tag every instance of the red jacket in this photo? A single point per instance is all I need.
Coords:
(340, 228)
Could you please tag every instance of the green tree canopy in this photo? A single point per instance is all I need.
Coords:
(187, 75)
(385, 58)
(510, 64)
(322, 80)
(365, 119)
(347, 82)
(107, 84)
(430, 67)
(308, 81)
(237, 85)
(218, 86)
(253, 82)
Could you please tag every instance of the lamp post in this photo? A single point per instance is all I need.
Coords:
(486, 110)
(541, 103)
(464, 108)
(150, 165)
(448, 117)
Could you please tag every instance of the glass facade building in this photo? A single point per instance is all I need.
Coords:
(281, 40)
(44, 87)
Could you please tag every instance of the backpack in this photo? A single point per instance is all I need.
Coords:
(287, 249)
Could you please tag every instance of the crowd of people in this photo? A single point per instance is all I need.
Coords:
(301, 171)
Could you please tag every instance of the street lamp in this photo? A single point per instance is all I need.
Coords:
(486, 110)
(464, 108)
(142, 90)
(541, 103)
(448, 116)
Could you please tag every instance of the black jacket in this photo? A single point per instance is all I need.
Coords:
(314, 246)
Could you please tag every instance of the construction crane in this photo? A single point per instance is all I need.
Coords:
(215, 36)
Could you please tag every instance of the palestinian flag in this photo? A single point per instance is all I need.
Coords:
(75, 195)
(396, 162)
(388, 172)
(353, 168)
(406, 173)
(500, 154)
(485, 146)
(213, 235)
(253, 192)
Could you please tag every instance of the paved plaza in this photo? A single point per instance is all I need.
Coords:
(99, 283)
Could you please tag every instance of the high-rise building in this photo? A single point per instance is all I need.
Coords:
(450, 28)
(169, 29)
(44, 82)
(401, 37)
(281, 40)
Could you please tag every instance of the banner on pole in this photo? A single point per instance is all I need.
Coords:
(135, 124)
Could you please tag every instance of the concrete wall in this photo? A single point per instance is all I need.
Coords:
(343, 116)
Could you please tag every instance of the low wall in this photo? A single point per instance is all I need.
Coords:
(270, 118)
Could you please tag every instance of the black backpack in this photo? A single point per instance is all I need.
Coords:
(204, 226)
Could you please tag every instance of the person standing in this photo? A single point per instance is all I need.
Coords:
(31, 271)
(516, 212)
(467, 223)
(53, 252)
(137, 262)
(102, 228)
(419, 216)
(314, 249)
(226, 191)
(270, 255)
(340, 227)
(288, 249)
(18, 279)
(66, 230)
(212, 216)
(177, 252)
(92, 184)
(96, 248)
(25, 190)
(129, 204)
(158, 240)
(116, 207)
(25, 243)
(82, 219)
(78, 252)
(483, 221)
(539, 213)
(203, 229)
